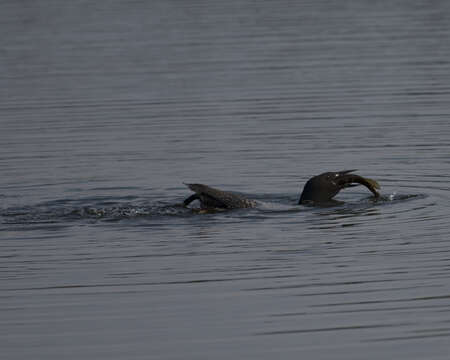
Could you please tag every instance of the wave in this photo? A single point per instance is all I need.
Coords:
(113, 209)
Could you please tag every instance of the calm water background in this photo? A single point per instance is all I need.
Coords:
(107, 107)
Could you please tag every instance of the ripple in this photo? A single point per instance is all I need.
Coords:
(106, 208)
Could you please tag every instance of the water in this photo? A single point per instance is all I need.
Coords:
(108, 107)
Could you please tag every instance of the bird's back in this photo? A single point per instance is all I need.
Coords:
(211, 197)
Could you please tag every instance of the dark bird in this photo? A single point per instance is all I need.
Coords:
(319, 189)
(322, 188)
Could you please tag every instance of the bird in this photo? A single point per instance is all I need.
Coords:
(319, 189)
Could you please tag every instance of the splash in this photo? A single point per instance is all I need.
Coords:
(111, 210)
(66, 211)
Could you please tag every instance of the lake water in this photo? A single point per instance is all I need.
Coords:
(107, 107)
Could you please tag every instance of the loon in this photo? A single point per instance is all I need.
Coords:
(320, 189)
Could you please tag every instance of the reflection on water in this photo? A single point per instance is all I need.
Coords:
(108, 108)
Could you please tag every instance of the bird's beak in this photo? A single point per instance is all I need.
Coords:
(345, 179)
(342, 179)
(344, 172)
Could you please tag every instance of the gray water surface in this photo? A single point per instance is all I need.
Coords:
(107, 107)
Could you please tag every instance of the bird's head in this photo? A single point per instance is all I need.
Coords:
(322, 188)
